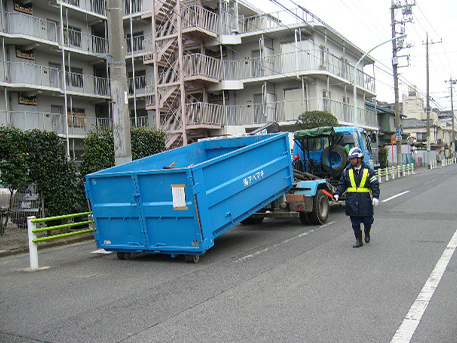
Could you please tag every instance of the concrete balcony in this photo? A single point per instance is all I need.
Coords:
(78, 125)
(288, 112)
(22, 28)
(303, 62)
(23, 76)
(94, 7)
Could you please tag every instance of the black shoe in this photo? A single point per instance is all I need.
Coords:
(367, 236)
(358, 243)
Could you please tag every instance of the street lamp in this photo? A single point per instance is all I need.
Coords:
(355, 74)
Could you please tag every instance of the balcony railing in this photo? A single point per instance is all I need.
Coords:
(38, 28)
(27, 25)
(139, 44)
(136, 7)
(195, 16)
(87, 84)
(139, 84)
(49, 77)
(279, 19)
(199, 113)
(75, 39)
(93, 6)
(301, 62)
(202, 65)
(282, 111)
(33, 74)
(77, 125)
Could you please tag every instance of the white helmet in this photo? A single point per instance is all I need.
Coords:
(355, 152)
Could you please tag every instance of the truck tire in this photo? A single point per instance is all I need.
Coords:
(252, 220)
(335, 159)
(304, 218)
(319, 214)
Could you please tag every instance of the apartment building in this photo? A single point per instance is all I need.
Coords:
(194, 68)
(54, 72)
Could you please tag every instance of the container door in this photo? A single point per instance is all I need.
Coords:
(169, 212)
(117, 212)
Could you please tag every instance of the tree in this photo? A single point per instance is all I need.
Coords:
(383, 157)
(312, 119)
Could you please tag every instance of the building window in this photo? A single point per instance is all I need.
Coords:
(326, 96)
(421, 136)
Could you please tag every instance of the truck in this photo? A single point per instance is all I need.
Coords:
(179, 201)
(323, 151)
(319, 157)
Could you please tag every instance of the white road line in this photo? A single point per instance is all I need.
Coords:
(283, 242)
(433, 180)
(395, 196)
(414, 316)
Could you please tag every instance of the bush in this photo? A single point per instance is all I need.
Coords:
(99, 148)
(146, 142)
(55, 175)
(40, 157)
(312, 119)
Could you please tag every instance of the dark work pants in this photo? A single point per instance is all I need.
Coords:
(356, 221)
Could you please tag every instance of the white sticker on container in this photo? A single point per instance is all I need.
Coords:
(179, 197)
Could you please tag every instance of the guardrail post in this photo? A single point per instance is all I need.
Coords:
(379, 175)
(387, 174)
(33, 247)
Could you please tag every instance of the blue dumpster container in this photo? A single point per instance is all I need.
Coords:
(177, 202)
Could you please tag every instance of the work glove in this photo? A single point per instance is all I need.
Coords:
(375, 202)
(336, 197)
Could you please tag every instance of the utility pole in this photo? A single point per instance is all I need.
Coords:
(397, 45)
(427, 109)
(119, 94)
(452, 82)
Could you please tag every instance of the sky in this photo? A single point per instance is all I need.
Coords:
(367, 23)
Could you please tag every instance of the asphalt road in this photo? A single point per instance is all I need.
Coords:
(278, 281)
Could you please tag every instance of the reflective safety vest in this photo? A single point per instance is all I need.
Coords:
(361, 187)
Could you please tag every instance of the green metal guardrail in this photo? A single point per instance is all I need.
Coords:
(33, 230)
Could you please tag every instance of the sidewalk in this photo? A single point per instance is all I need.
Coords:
(16, 241)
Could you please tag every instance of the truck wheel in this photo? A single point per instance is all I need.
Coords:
(304, 218)
(192, 258)
(335, 159)
(319, 215)
(124, 255)
(252, 220)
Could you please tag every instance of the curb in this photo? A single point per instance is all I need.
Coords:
(24, 247)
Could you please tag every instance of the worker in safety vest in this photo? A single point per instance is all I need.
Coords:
(361, 185)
